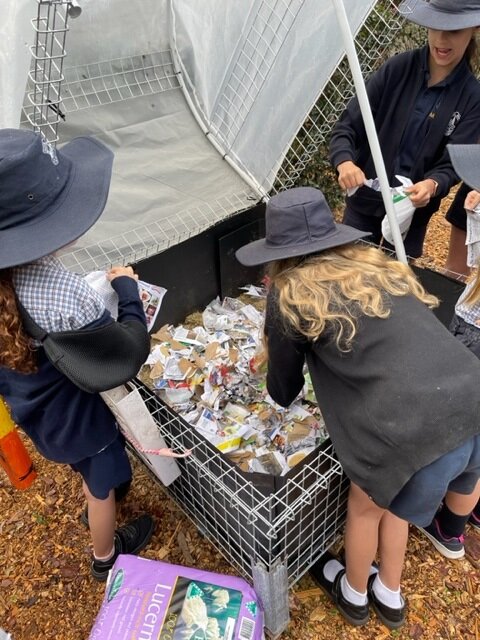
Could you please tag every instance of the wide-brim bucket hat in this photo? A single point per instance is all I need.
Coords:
(466, 162)
(48, 197)
(297, 222)
(442, 15)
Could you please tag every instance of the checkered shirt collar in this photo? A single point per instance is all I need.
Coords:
(57, 299)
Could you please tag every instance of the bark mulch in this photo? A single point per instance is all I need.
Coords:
(46, 591)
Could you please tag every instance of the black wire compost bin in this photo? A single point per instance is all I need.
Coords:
(272, 529)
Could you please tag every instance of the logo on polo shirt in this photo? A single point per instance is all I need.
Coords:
(454, 120)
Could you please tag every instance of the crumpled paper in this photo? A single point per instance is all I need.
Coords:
(214, 376)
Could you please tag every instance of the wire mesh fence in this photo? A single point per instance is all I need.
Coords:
(372, 43)
(148, 240)
(259, 522)
(111, 81)
(43, 96)
(264, 38)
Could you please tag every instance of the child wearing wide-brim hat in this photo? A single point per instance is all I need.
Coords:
(446, 531)
(49, 198)
(442, 15)
(421, 100)
(398, 393)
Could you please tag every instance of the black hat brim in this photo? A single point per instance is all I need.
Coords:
(77, 208)
(426, 15)
(260, 252)
(466, 162)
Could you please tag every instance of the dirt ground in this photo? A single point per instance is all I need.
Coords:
(46, 591)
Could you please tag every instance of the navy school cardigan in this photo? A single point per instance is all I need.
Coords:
(65, 423)
(406, 394)
(392, 92)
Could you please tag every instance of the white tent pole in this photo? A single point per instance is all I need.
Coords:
(370, 127)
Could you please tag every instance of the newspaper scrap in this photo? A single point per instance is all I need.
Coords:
(150, 295)
(214, 376)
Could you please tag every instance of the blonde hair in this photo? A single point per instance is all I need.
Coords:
(332, 289)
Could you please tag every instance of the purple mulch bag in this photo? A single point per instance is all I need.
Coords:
(150, 600)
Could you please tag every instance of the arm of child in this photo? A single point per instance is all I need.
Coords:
(124, 282)
(286, 357)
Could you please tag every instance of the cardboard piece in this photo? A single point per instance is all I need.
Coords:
(137, 423)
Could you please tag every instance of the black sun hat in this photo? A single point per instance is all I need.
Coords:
(442, 15)
(466, 162)
(298, 222)
(48, 197)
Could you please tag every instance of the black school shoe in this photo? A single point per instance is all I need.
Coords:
(316, 571)
(391, 618)
(354, 614)
(131, 538)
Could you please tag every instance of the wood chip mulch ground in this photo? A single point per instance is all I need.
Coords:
(46, 592)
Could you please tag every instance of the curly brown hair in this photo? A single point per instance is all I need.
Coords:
(15, 345)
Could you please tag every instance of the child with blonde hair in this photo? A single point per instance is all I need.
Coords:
(398, 393)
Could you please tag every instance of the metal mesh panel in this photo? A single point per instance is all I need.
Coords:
(372, 43)
(255, 517)
(107, 82)
(111, 81)
(265, 36)
(148, 240)
(42, 104)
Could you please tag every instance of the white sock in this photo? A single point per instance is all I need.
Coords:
(392, 599)
(105, 558)
(331, 568)
(349, 593)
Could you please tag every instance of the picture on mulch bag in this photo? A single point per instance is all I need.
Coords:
(201, 611)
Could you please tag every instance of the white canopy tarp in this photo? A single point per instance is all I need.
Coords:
(16, 37)
(254, 70)
(134, 71)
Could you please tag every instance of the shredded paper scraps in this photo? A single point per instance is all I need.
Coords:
(214, 376)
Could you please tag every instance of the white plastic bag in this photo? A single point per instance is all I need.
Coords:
(473, 236)
(140, 429)
(403, 207)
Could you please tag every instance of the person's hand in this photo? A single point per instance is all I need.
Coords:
(472, 200)
(349, 175)
(115, 272)
(421, 192)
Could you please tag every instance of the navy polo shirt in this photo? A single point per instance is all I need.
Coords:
(424, 111)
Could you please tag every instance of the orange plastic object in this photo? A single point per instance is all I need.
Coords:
(14, 458)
